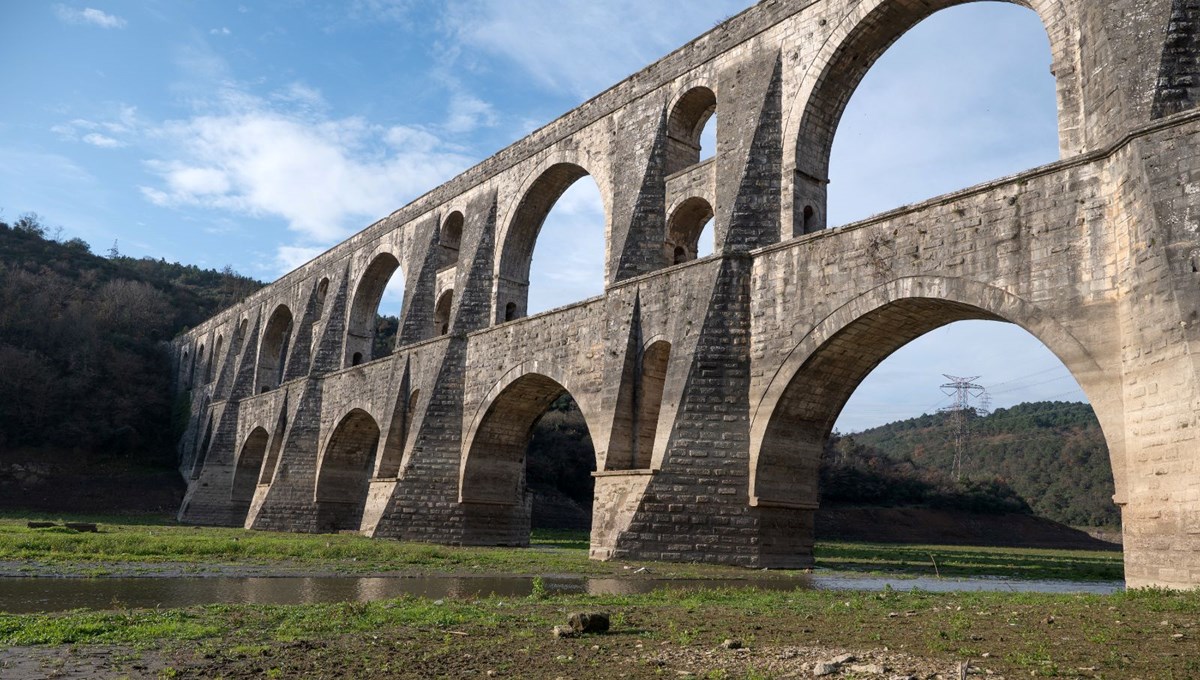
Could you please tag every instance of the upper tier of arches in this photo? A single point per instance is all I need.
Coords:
(468, 245)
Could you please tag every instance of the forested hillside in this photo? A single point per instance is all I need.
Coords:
(84, 373)
(1051, 453)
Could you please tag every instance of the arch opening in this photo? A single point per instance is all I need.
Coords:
(249, 467)
(322, 293)
(343, 479)
(794, 428)
(273, 350)
(450, 239)
(691, 129)
(441, 313)
(213, 360)
(276, 446)
(202, 451)
(923, 99)
(369, 335)
(533, 449)
(565, 218)
(184, 369)
(686, 231)
(392, 454)
(655, 360)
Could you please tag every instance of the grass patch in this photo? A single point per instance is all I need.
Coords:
(1148, 634)
(142, 542)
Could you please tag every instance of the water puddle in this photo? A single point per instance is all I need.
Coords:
(33, 595)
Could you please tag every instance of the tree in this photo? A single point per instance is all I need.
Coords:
(30, 223)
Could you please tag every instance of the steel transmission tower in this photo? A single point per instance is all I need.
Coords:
(963, 390)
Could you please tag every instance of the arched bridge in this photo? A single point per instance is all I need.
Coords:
(709, 385)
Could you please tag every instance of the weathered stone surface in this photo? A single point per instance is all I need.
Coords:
(709, 386)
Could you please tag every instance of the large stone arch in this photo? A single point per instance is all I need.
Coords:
(273, 349)
(368, 293)
(538, 195)
(493, 463)
(852, 47)
(806, 393)
(344, 471)
(249, 465)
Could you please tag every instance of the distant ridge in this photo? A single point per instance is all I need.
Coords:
(1052, 454)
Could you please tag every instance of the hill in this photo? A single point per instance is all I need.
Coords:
(1052, 454)
(86, 382)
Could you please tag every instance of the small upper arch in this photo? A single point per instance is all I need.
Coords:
(685, 125)
(368, 293)
(539, 193)
(450, 238)
(685, 225)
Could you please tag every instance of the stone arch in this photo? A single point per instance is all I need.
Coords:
(249, 466)
(273, 349)
(845, 57)
(184, 363)
(654, 361)
(442, 313)
(271, 462)
(391, 455)
(450, 238)
(344, 472)
(794, 417)
(213, 360)
(322, 293)
(202, 451)
(538, 196)
(686, 122)
(493, 465)
(360, 328)
(684, 227)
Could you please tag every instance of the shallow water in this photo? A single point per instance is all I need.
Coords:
(33, 595)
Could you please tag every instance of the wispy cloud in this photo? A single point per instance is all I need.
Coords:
(88, 15)
(283, 156)
(468, 113)
(581, 46)
(112, 133)
(224, 30)
(102, 141)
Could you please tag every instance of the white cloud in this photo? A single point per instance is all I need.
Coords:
(582, 46)
(106, 134)
(327, 177)
(224, 30)
(88, 15)
(291, 257)
(102, 141)
(467, 113)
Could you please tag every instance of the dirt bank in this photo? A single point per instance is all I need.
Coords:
(943, 527)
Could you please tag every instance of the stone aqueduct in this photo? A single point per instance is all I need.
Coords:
(709, 385)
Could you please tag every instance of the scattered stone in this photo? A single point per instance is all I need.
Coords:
(588, 623)
(732, 644)
(821, 669)
(564, 632)
(40, 525)
(844, 659)
(869, 669)
(82, 527)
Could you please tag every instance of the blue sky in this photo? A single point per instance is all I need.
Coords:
(259, 134)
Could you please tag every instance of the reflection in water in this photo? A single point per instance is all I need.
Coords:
(31, 595)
